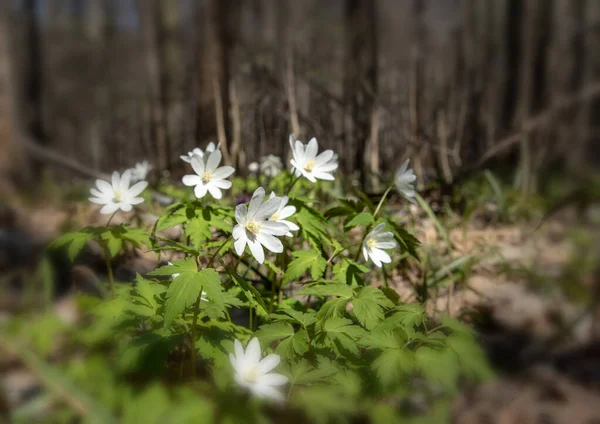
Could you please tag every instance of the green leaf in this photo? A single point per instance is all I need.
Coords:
(342, 326)
(333, 308)
(304, 260)
(348, 272)
(113, 242)
(178, 267)
(385, 339)
(406, 240)
(330, 289)
(440, 365)
(185, 289)
(368, 306)
(294, 346)
(198, 230)
(363, 219)
(392, 365)
(249, 291)
(76, 241)
(148, 290)
(176, 216)
(268, 333)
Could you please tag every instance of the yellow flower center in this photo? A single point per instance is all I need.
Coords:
(309, 165)
(253, 227)
(251, 375)
(275, 216)
(206, 177)
(372, 243)
(118, 196)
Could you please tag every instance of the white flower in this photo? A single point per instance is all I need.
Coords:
(254, 229)
(210, 177)
(140, 171)
(308, 163)
(283, 212)
(252, 373)
(198, 152)
(405, 179)
(374, 244)
(117, 195)
(253, 167)
(202, 294)
(270, 165)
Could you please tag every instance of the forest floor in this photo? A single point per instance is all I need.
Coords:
(525, 291)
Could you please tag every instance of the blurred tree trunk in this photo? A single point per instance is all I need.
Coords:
(154, 39)
(221, 41)
(13, 168)
(416, 89)
(32, 80)
(360, 91)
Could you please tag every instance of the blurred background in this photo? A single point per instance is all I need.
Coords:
(92, 85)
(496, 103)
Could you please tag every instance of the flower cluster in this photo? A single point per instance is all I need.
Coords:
(258, 226)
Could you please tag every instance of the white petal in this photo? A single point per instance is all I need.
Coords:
(270, 242)
(252, 354)
(213, 161)
(215, 191)
(136, 200)
(104, 187)
(257, 198)
(273, 379)
(240, 244)
(267, 209)
(99, 200)
(96, 193)
(137, 188)
(198, 165)
(126, 207)
(185, 158)
(240, 214)
(274, 228)
(286, 212)
(237, 231)
(109, 208)
(378, 228)
(200, 191)
(125, 180)
(224, 184)
(268, 363)
(257, 251)
(116, 180)
(290, 225)
(268, 392)
(311, 149)
(223, 172)
(191, 180)
(328, 167)
(381, 256)
(324, 176)
(385, 244)
(365, 252)
(238, 349)
(324, 157)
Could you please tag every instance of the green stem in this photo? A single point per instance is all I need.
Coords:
(111, 279)
(385, 280)
(111, 217)
(292, 185)
(382, 200)
(250, 318)
(193, 334)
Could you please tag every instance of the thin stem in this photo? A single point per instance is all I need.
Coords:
(292, 185)
(250, 318)
(111, 279)
(385, 280)
(111, 217)
(382, 200)
(193, 335)
(272, 297)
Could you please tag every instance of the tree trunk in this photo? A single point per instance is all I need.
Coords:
(361, 81)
